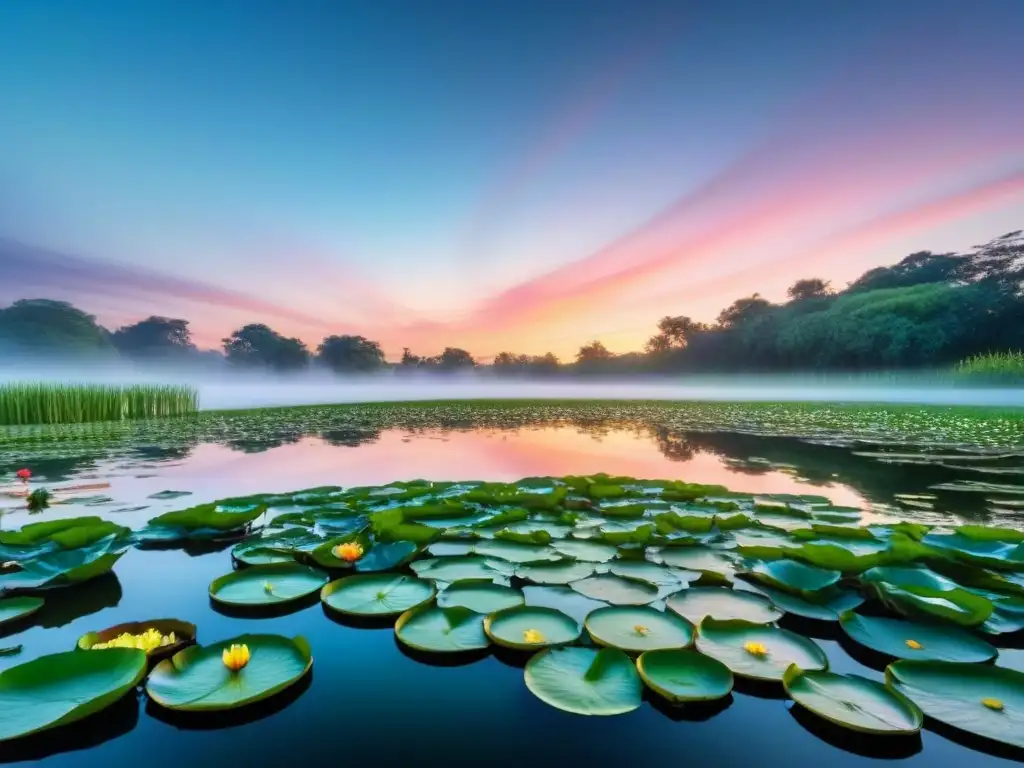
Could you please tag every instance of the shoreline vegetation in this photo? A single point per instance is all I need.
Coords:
(54, 403)
(955, 314)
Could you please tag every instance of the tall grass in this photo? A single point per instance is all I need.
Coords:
(994, 365)
(52, 403)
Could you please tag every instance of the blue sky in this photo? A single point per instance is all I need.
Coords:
(436, 173)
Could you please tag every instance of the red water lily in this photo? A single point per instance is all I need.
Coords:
(23, 475)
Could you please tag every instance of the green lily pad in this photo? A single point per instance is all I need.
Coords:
(758, 651)
(682, 675)
(267, 584)
(15, 608)
(196, 678)
(442, 630)
(911, 640)
(668, 579)
(208, 516)
(692, 558)
(585, 681)
(616, 590)
(526, 628)
(480, 597)
(376, 594)
(980, 550)
(792, 576)
(385, 557)
(62, 568)
(586, 550)
(555, 573)
(184, 633)
(639, 628)
(564, 599)
(981, 699)
(64, 687)
(957, 605)
(468, 568)
(515, 552)
(853, 702)
(832, 602)
(696, 603)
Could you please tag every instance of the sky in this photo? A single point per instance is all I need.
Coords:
(510, 175)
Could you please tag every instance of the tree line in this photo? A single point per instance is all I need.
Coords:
(926, 311)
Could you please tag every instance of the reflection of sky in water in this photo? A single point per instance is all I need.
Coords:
(213, 471)
(371, 704)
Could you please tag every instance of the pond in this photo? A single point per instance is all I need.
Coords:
(370, 699)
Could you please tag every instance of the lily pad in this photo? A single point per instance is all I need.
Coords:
(568, 601)
(385, 557)
(586, 550)
(957, 605)
(442, 630)
(829, 604)
(196, 678)
(853, 702)
(912, 640)
(15, 608)
(616, 590)
(692, 558)
(267, 584)
(64, 687)
(555, 573)
(585, 681)
(184, 633)
(696, 603)
(980, 699)
(639, 628)
(792, 576)
(62, 568)
(526, 628)
(480, 597)
(683, 675)
(758, 651)
(376, 594)
(468, 568)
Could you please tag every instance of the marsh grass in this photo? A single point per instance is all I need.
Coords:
(53, 403)
(1009, 364)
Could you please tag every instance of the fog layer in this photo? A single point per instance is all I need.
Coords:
(235, 390)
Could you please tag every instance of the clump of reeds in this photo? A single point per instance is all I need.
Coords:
(53, 403)
(994, 364)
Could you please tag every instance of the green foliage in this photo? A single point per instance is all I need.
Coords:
(350, 354)
(997, 365)
(52, 403)
(258, 346)
(45, 328)
(160, 338)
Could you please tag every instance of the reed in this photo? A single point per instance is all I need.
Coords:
(53, 403)
(1008, 364)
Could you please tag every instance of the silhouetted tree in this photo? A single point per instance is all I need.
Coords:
(810, 288)
(52, 328)
(743, 311)
(594, 352)
(350, 354)
(154, 337)
(454, 358)
(674, 333)
(916, 269)
(259, 346)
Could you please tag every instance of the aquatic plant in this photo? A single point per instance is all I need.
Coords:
(996, 365)
(54, 403)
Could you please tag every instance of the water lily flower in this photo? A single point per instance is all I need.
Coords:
(995, 704)
(755, 649)
(23, 475)
(350, 551)
(532, 636)
(235, 657)
(640, 629)
(914, 645)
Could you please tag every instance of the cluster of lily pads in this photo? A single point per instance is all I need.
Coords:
(613, 584)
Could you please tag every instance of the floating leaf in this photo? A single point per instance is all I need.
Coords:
(683, 675)
(831, 603)
(184, 634)
(588, 551)
(469, 568)
(196, 679)
(792, 576)
(376, 594)
(64, 687)
(853, 702)
(616, 590)
(16, 608)
(585, 681)
(564, 599)
(62, 568)
(638, 628)
(981, 699)
(480, 597)
(555, 573)
(696, 603)
(267, 584)
(385, 557)
(527, 628)
(442, 630)
(758, 651)
(515, 552)
(911, 640)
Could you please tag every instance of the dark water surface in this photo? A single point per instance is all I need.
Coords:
(368, 700)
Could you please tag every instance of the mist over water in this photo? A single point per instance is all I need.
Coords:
(222, 389)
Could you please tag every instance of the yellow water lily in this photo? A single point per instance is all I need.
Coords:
(640, 629)
(755, 649)
(995, 704)
(914, 645)
(532, 636)
(350, 551)
(146, 641)
(235, 657)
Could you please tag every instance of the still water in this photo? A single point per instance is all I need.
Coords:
(368, 700)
